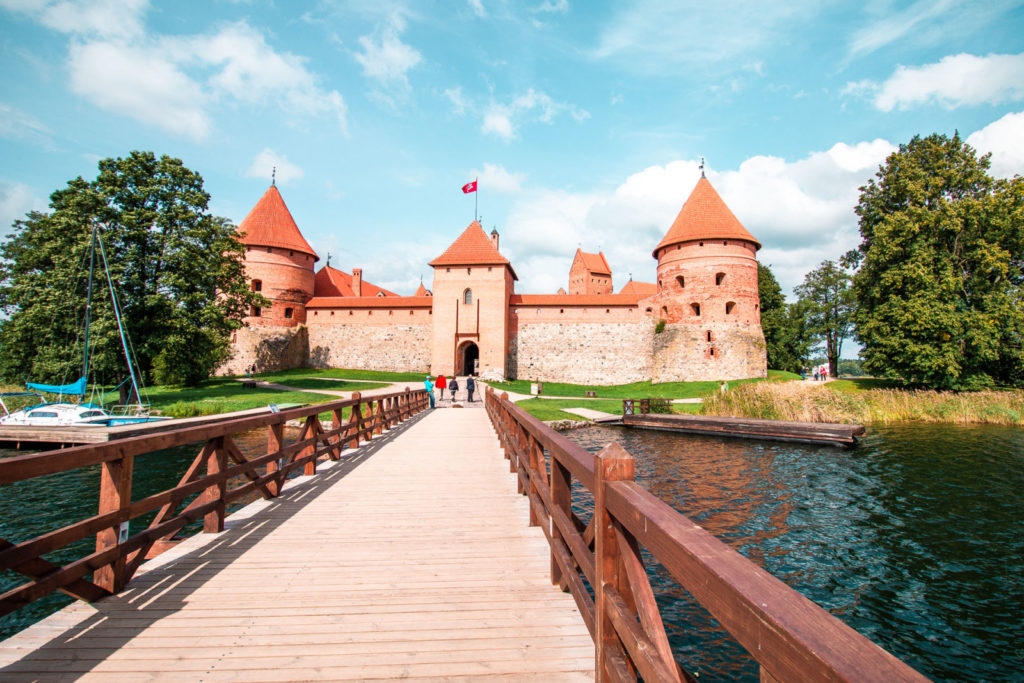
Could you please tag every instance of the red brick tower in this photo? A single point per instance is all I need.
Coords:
(278, 262)
(707, 295)
(590, 274)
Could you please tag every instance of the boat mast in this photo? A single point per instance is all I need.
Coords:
(88, 306)
(120, 327)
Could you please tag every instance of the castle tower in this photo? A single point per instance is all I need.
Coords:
(590, 274)
(707, 295)
(472, 286)
(279, 263)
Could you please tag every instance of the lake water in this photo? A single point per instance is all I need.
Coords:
(915, 537)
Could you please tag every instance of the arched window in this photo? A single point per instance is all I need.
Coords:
(719, 278)
(695, 309)
(681, 281)
(257, 285)
(729, 306)
(467, 296)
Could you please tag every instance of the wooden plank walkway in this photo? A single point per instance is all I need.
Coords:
(411, 558)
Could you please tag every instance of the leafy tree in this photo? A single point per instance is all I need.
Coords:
(827, 296)
(176, 268)
(939, 289)
(785, 331)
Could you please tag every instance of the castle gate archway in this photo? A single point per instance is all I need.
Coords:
(469, 359)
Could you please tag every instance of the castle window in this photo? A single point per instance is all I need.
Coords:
(695, 309)
(316, 313)
(447, 270)
(255, 311)
(268, 250)
(719, 278)
(380, 294)
(649, 310)
(725, 244)
(467, 296)
(332, 313)
(701, 244)
(607, 310)
(291, 253)
(350, 312)
(468, 271)
(287, 313)
(661, 285)
(757, 307)
(711, 352)
(410, 312)
(391, 312)
(489, 269)
(664, 310)
(257, 285)
(561, 310)
(681, 281)
(729, 306)
(709, 335)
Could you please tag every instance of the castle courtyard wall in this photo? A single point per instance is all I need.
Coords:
(268, 348)
(582, 352)
(398, 346)
(685, 353)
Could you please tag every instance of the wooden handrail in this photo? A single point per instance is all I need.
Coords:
(210, 478)
(791, 637)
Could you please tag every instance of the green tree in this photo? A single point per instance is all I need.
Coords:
(177, 271)
(827, 295)
(785, 331)
(939, 288)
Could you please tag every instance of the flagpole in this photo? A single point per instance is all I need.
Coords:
(476, 198)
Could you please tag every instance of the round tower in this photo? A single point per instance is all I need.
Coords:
(279, 263)
(707, 295)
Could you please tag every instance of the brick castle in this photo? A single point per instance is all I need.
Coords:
(473, 321)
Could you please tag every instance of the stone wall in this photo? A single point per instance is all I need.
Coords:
(582, 353)
(691, 353)
(397, 347)
(270, 348)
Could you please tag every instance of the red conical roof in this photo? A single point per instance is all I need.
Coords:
(270, 224)
(472, 248)
(705, 216)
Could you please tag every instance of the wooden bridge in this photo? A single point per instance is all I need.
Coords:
(411, 556)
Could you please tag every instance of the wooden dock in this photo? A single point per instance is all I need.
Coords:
(750, 428)
(409, 558)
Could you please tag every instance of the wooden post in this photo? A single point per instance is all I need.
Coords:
(337, 423)
(115, 495)
(406, 404)
(275, 439)
(355, 418)
(612, 463)
(534, 469)
(213, 523)
(312, 430)
(379, 421)
(561, 499)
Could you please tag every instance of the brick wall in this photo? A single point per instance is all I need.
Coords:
(582, 353)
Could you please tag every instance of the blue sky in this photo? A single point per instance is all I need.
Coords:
(584, 122)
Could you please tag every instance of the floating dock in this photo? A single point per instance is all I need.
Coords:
(749, 428)
(27, 436)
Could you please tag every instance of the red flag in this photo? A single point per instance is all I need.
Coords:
(469, 187)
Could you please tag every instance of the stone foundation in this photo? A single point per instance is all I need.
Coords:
(683, 353)
(582, 353)
(270, 348)
(394, 348)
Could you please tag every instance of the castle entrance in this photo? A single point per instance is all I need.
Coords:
(469, 359)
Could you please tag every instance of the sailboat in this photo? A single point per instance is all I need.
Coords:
(79, 414)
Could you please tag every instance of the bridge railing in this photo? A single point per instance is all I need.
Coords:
(214, 475)
(599, 562)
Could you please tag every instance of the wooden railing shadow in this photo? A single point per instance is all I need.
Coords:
(119, 555)
(600, 563)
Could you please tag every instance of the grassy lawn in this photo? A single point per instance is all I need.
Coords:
(636, 389)
(861, 384)
(341, 373)
(329, 384)
(222, 395)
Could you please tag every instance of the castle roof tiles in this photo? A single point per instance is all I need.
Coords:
(641, 290)
(595, 263)
(705, 216)
(270, 224)
(331, 282)
(472, 248)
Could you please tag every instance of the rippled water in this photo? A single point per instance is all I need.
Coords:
(36, 506)
(914, 538)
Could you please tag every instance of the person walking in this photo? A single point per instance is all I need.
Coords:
(453, 386)
(441, 383)
(429, 386)
(470, 388)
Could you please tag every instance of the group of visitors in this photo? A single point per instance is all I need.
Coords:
(821, 374)
(452, 385)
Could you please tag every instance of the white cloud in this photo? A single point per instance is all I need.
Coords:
(458, 100)
(387, 60)
(139, 83)
(954, 81)
(801, 211)
(478, 8)
(494, 178)
(650, 36)
(104, 18)
(504, 120)
(1005, 140)
(17, 125)
(556, 6)
(264, 164)
(16, 199)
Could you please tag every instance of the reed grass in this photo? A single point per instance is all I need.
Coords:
(817, 403)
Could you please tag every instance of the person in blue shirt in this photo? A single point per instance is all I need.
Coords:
(429, 386)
